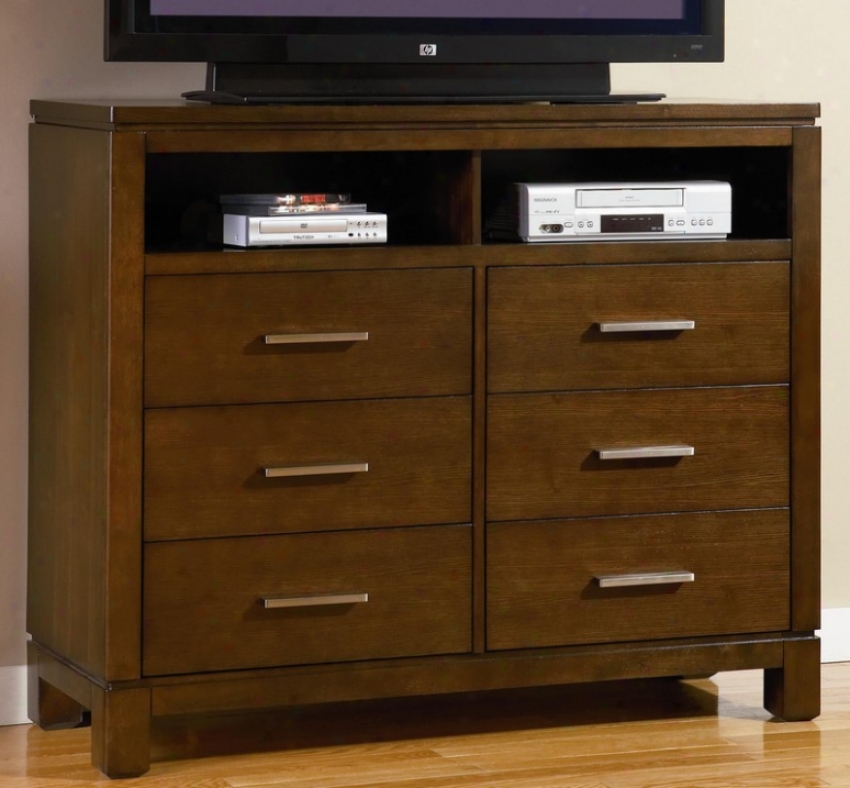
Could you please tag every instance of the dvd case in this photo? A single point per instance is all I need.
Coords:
(248, 209)
(291, 198)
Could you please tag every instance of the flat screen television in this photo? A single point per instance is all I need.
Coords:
(413, 50)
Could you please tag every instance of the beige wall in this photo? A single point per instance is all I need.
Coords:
(52, 49)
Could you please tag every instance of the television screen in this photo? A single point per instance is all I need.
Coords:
(505, 17)
(472, 9)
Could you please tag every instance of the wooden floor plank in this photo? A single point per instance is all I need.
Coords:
(651, 734)
(532, 779)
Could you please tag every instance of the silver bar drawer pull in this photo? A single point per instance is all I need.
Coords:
(312, 339)
(322, 469)
(646, 452)
(319, 600)
(647, 325)
(646, 579)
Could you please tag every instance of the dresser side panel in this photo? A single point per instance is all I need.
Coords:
(805, 380)
(69, 261)
(86, 250)
(126, 346)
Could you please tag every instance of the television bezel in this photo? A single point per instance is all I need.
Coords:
(124, 43)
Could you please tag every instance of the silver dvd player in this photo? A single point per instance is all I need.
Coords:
(305, 229)
(583, 212)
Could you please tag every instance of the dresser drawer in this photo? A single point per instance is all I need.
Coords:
(333, 335)
(333, 597)
(544, 460)
(544, 589)
(545, 326)
(329, 466)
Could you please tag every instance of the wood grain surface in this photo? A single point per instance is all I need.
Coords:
(806, 382)
(545, 593)
(85, 399)
(204, 467)
(542, 459)
(204, 336)
(176, 113)
(203, 607)
(543, 326)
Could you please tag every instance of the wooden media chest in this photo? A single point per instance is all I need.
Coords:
(415, 501)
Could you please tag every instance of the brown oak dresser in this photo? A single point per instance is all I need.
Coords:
(273, 477)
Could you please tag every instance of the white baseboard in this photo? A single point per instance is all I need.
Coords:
(835, 635)
(13, 695)
(835, 647)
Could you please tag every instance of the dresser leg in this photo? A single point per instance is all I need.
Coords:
(121, 726)
(792, 692)
(49, 707)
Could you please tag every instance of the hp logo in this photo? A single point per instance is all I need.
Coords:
(428, 50)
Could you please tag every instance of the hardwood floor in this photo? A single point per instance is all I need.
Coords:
(708, 733)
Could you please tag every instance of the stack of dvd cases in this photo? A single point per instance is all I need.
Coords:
(299, 218)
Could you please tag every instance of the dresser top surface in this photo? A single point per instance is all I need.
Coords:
(161, 114)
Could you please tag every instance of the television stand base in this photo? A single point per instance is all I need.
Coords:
(580, 83)
(223, 97)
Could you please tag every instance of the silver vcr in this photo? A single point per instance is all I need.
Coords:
(672, 210)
